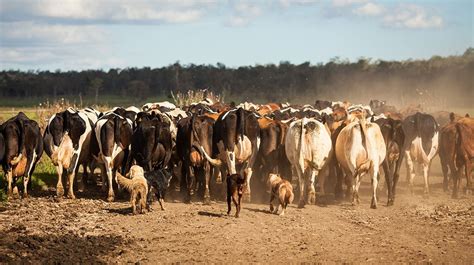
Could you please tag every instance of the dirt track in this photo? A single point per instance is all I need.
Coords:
(437, 229)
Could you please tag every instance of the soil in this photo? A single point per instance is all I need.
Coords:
(90, 230)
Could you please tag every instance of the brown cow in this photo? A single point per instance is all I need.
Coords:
(464, 151)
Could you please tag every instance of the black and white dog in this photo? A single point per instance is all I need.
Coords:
(158, 182)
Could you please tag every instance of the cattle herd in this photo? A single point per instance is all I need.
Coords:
(252, 148)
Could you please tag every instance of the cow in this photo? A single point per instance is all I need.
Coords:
(151, 141)
(271, 157)
(308, 147)
(113, 136)
(464, 152)
(78, 126)
(23, 147)
(360, 149)
(420, 145)
(235, 141)
(322, 104)
(194, 132)
(394, 138)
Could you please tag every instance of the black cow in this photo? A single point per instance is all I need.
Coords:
(151, 141)
(421, 144)
(394, 138)
(23, 147)
(235, 139)
(322, 104)
(195, 132)
(113, 136)
(78, 126)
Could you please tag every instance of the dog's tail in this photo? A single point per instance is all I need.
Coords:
(124, 182)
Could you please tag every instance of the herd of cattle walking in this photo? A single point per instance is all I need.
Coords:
(206, 141)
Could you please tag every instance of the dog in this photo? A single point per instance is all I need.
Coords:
(235, 189)
(137, 186)
(158, 183)
(281, 189)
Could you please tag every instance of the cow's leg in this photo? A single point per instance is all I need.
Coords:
(389, 180)
(70, 193)
(426, 168)
(108, 168)
(301, 184)
(468, 170)
(374, 174)
(355, 190)
(396, 175)
(59, 185)
(444, 169)
(410, 171)
(84, 177)
(207, 176)
(311, 190)
(9, 180)
(335, 173)
(248, 175)
(162, 203)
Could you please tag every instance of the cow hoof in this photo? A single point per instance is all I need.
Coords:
(71, 196)
(110, 198)
(373, 205)
(455, 196)
(468, 192)
(207, 200)
(390, 202)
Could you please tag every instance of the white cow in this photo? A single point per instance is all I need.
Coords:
(360, 149)
(307, 145)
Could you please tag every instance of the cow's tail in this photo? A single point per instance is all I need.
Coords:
(282, 195)
(242, 124)
(117, 122)
(124, 182)
(368, 163)
(300, 152)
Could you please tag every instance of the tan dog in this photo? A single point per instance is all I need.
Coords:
(137, 186)
(282, 189)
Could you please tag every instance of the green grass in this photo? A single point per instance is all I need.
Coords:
(43, 177)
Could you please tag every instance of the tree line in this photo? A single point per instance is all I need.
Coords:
(441, 81)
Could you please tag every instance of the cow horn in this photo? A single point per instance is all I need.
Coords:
(16, 160)
(215, 162)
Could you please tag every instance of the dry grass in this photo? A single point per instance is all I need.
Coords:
(192, 96)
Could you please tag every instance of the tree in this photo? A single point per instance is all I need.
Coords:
(96, 86)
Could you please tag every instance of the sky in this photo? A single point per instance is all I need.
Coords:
(104, 34)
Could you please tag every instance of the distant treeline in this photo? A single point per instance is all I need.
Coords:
(440, 81)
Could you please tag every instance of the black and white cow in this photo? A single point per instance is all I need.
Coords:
(236, 139)
(113, 136)
(420, 145)
(77, 125)
(23, 147)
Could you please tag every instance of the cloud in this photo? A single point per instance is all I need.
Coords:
(288, 3)
(369, 9)
(243, 14)
(34, 34)
(106, 12)
(412, 17)
(345, 3)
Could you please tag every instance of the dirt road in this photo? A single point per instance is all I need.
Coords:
(437, 229)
